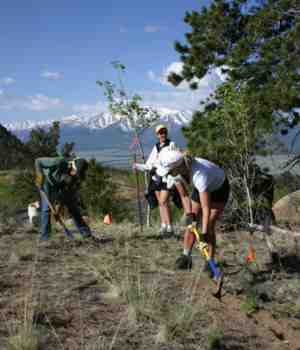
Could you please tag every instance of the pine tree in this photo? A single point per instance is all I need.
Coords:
(44, 143)
(13, 153)
(255, 43)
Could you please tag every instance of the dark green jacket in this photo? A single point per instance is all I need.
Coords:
(54, 170)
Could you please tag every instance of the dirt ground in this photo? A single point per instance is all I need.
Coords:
(121, 292)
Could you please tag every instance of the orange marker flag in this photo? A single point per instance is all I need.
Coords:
(107, 219)
(251, 257)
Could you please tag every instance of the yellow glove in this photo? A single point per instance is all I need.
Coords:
(39, 180)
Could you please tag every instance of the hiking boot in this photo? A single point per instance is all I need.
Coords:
(169, 232)
(184, 262)
(164, 232)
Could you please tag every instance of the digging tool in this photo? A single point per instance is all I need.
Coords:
(56, 215)
(217, 273)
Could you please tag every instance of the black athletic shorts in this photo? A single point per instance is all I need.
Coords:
(218, 196)
(157, 185)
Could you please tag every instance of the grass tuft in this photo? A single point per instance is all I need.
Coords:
(215, 339)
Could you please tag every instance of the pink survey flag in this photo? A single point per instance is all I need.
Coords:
(134, 143)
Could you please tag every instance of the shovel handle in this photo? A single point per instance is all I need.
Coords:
(211, 262)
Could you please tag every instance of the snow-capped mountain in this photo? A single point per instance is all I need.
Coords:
(100, 121)
(103, 129)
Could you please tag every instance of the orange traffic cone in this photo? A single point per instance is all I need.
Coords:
(251, 257)
(107, 219)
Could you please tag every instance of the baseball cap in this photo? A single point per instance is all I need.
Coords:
(160, 127)
(168, 160)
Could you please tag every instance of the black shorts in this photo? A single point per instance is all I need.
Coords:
(218, 196)
(157, 185)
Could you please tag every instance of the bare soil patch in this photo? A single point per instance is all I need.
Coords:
(122, 292)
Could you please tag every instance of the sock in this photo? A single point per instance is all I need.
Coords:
(169, 228)
(187, 251)
(163, 225)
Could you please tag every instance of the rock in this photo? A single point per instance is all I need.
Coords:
(288, 208)
(13, 259)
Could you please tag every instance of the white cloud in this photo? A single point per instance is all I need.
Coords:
(176, 99)
(210, 81)
(52, 75)
(153, 28)
(40, 102)
(182, 97)
(7, 81)
(9, 102)
(90, 109)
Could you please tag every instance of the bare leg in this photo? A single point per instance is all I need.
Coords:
(164, 204)
(189, 238)
(215, 213)
(185, 199)
(164, 211)
(161, 214)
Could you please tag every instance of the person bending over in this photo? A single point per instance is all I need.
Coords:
(60, 180)
(209, 196)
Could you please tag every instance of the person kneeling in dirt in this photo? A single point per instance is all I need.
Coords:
(157, 192)
(60, 179)
(209, 196)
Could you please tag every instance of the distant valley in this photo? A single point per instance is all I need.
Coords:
(104, 131)
(109, 138)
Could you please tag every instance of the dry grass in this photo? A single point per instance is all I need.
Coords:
(123, 293)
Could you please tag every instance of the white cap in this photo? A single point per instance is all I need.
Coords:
(160, 127)
(168, 160)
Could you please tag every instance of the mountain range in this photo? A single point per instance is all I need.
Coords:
(104, 130)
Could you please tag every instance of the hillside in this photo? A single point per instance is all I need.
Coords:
(12, 150)
(122, 292)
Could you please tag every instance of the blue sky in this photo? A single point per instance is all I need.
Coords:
(52, 53)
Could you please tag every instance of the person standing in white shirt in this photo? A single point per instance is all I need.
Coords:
(209, 195)
(157, 185)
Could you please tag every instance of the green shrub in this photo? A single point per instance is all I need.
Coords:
(250, 304)
(98, 193)
(24, 190)
(286, 183)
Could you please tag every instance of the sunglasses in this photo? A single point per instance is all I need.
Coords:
(162, 132)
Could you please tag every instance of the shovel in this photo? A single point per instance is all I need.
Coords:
(56, 215)
(218, 275)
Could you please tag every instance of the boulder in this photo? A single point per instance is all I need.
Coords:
(287, 209)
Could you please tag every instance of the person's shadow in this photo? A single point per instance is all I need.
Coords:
(289, 263)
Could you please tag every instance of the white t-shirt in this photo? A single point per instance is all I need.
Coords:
(153, 161)
(206, 176)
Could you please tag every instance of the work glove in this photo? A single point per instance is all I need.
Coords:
(39, 180)
(188, 219)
